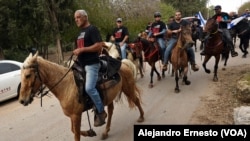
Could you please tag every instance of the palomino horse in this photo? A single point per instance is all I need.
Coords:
(134, 56)
(179, 58)
(214, 46)
(151, 55)
(60, 80)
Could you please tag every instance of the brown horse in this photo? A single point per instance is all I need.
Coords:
(37, 71)
(151, 55)
(179, 58)
(214, 46)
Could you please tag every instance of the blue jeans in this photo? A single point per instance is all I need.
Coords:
(228, 37)
(191, 55)
(123, 50)
(168, 50)
(90, 85)
(162, 44)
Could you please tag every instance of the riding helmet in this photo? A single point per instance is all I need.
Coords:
(157, 14)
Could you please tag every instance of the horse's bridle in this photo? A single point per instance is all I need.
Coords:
(37, 75)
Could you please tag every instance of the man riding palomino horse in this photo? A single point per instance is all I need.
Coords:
(175, 29)
(89, 45)
(223, 19)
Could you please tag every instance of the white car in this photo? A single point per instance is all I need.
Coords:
(10, 79)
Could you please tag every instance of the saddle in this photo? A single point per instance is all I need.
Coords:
(108, 76)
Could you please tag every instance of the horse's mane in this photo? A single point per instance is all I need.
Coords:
(111, 49)
(31, 60)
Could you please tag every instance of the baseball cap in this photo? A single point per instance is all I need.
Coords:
(217, 7)
(119, 19)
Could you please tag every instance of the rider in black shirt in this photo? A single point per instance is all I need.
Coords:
(223, 19)
(196, 24)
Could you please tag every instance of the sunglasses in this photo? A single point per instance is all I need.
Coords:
(157, 16)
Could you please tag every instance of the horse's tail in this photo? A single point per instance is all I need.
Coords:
(129, 87)
(131, 65)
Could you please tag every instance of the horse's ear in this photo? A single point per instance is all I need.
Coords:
(36, 54)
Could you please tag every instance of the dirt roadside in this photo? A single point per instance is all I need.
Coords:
(218, 107)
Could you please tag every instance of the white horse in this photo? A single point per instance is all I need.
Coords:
(134, 64)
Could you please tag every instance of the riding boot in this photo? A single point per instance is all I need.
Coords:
(165, 67)
(194, 66)
(99, 118)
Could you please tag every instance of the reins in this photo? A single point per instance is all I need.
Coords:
(41, 89)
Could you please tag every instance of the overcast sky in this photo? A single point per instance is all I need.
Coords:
(228, 5)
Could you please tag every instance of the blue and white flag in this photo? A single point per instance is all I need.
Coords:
(235, 21)
(203, 21)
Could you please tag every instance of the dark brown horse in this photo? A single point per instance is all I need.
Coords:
(151, 55)
(60, 80)
(179, 58)
(214, 46)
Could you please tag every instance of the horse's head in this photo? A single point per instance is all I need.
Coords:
(143, 35)
(111, 49)
(30, 80)
(186, 36)
(211, 26)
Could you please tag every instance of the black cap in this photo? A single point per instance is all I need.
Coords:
(217, 7)
(157, 14)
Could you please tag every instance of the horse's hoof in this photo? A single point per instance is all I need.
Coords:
(104, 136)
(215, 79)
(140, 119)
(207, 71)
(187, 82)
(159, 78)
(177, 90)
(150, 85)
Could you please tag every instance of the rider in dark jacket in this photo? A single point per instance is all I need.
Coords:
(196, 24)
(223, 19)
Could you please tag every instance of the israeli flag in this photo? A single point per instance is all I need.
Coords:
(235, 21)
(203, 21)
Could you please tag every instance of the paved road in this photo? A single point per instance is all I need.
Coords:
(160, 103)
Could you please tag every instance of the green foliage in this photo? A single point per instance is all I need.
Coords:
(16, 54)
(25, 24)
(189, 7)
(242, 8)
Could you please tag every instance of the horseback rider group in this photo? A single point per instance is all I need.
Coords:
(89, 46)
(158, 31)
